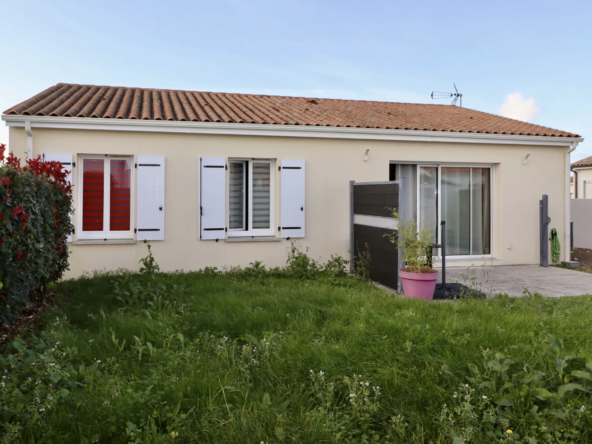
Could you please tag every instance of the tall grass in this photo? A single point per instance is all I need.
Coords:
(251, 358)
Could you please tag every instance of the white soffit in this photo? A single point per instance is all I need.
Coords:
(251, 129)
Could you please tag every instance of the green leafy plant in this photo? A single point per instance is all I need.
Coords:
(36, 203)
(362, 262)
(149, 265)
(414, 242)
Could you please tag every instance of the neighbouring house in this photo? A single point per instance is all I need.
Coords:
(216, 179)
(582, 175)
(581, 206)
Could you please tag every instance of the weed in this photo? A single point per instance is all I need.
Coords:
(149, 265)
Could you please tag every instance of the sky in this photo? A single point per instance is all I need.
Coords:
(529, 60)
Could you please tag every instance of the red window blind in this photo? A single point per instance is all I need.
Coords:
(93, 194)
(120, 195)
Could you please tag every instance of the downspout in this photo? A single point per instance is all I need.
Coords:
(29, 139)
(567, 230)
(575, 182)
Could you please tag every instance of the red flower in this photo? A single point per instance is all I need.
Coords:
(1, 216)
(2, 149)
(18, 210)
(5, 181)
(5, 199)
(1, 298)
(20, 256)
(25, 217)
(25, 226)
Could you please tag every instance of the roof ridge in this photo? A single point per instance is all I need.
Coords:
(252, 94)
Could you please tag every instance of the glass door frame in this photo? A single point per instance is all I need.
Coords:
(439, 191)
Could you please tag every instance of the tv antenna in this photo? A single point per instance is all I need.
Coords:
(446, 95)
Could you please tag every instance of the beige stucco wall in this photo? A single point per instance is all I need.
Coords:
(330, 165)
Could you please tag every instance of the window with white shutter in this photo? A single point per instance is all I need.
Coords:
(293, 209)
(104, 197)
(212, 198)
(151, 206)
(250, 197)
(67, 164)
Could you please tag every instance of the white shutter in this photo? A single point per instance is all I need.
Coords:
(68, 165)
(150, 198)
(292, 198)
(212, 198)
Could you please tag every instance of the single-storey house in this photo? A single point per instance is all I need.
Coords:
(582, 178)
(216, 179)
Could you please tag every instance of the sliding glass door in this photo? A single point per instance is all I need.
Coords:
(463, 197)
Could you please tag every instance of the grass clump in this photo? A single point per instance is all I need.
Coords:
(258, 355)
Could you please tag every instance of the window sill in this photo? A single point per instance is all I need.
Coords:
(254, 239)
(104, 242)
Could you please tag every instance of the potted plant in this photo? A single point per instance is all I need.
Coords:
(417, 277)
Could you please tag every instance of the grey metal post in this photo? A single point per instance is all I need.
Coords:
(402, 217)
(443, 224)
(351, 226)
(544, 224)
(571, 237)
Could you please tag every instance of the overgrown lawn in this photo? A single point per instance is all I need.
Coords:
(247, 357)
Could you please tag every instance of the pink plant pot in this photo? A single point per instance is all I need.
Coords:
(419, 285)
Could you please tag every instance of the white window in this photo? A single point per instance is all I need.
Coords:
(104, 196)
(250, 197)
(460, 196)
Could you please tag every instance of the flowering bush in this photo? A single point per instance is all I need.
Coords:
(36, 202)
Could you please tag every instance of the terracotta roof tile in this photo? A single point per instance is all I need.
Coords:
(70, 100)
(583, 163)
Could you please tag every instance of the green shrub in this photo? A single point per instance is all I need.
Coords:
(34, 225)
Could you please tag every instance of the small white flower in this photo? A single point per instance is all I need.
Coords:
(321, 373)
(367, 384)
(352, 395)
(467, 385)
(98, 361)
(42, 410)
(3, 385)
(454, 396)
(90, 341)
(484, 397)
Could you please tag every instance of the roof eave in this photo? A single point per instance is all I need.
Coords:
(251, 129)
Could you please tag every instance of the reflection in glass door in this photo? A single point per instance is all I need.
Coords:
(428, 200)
(463, 196)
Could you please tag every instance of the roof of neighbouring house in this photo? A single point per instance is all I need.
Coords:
(583, 163)
(70, 100)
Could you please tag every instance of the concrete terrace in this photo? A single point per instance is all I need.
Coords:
(512, 280)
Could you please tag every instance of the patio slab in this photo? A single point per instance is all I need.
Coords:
(513, 280)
